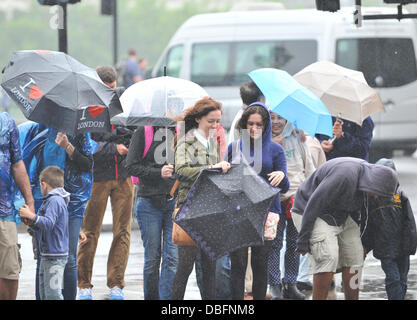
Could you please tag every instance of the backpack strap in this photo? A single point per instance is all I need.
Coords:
(148, 140)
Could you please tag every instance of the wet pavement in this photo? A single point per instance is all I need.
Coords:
(372, 285)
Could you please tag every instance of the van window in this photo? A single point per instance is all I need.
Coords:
(228, 64)
(209, 63)
(173, 62)
(385, 62)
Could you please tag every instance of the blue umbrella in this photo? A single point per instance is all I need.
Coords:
(292, 101)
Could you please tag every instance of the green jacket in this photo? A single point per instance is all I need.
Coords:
(191, 156)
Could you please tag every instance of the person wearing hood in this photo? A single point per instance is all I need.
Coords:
(268, 159)
(51, 221)
(299, 166)
(327, 209)
(390, 231)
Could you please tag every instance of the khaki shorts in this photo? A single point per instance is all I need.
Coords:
(333, 248)
(10, 260)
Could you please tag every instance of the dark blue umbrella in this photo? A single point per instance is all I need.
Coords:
(224, 212)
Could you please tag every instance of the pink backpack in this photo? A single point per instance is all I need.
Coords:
(148, 142)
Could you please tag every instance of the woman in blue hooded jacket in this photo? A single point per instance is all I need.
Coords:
(267, 158)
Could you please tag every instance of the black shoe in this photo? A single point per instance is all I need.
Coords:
(304, 286)
(290, 291)
(276, 291)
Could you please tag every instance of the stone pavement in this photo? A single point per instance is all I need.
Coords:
(372, 284)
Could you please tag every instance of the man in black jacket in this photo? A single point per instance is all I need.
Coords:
(112, 180)
(390, 231)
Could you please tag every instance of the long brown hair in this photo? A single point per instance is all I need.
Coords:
(254, 109)
(200, 109)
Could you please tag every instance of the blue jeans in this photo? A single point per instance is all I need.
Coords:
(71, 269)
(156, 231)
(396, 272)
(303, 270)
(51, 276)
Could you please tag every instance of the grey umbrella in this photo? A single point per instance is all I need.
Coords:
(54, 89)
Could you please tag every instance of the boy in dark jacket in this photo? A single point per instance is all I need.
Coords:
(51, 222)
(390, 231)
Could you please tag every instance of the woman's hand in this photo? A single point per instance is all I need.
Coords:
(224, 165)
(276, 177)
(167, 171)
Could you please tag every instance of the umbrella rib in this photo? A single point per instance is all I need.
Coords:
(76, 80)
(81, 78)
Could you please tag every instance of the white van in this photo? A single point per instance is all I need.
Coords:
(218, 50)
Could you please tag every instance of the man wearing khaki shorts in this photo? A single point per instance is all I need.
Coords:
(11, 168)
(328, 210)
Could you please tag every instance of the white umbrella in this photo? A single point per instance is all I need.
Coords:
(344, 91)
(157, 101)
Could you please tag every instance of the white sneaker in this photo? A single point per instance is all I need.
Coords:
(116, 294)
(85, 294)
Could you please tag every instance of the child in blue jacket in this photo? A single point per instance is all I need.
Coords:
(51, 222)
(390, 231)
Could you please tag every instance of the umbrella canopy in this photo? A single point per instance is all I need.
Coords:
(157, 101)
(224, 212)
(345, 92)
(292, 101)
(54, 89)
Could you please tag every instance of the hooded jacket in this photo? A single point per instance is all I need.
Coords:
(299, 161)
(268, 158)
(52, 223)
(390, 228)
(338, 189)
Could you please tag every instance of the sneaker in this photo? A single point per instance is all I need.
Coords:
(116, 294)
(85, 294)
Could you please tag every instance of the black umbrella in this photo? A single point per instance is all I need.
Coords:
(224, 212)
(54, 89)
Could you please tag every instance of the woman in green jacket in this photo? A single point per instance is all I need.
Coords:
(196, 151)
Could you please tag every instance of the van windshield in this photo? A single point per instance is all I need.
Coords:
(385, 62)
(228, 63)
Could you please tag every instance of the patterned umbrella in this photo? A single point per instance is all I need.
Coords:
(224, 212)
